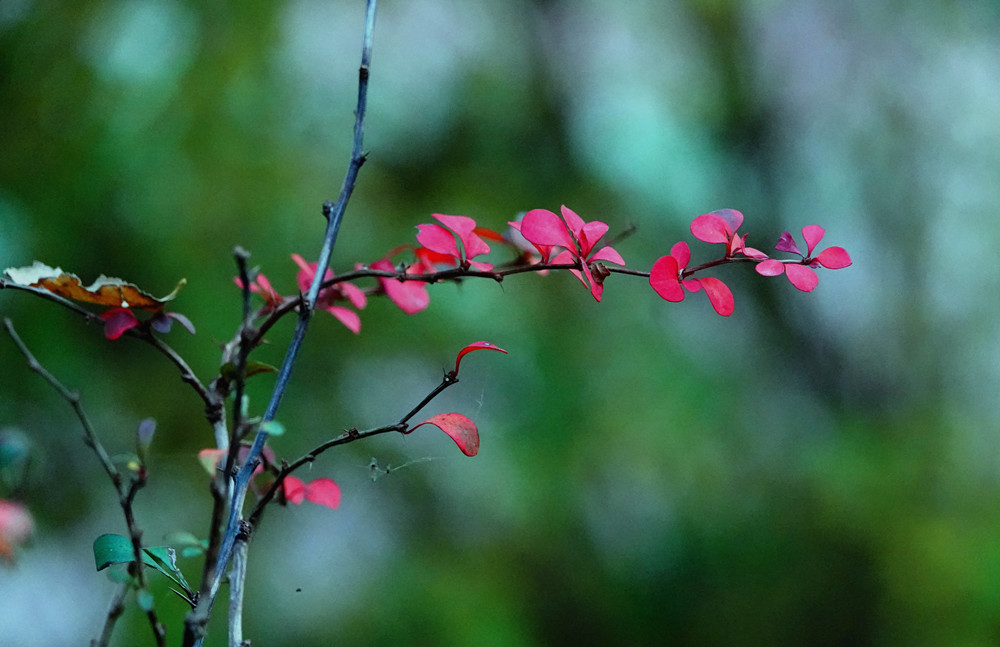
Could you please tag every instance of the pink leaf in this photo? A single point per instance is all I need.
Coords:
(770, 267)
(609, 255)
(465, 228)
(542, 227)
(355, 295)
(663, 279)
(834, 258)
(477, 345)
(591, 232)
(731, 217)
(294, 489)
(573, 221)
(347, 317)
(813, 234)
(438, 239)
(691, 285)
(682, 253)
(462, 430)
(117, 321)
(481, 265)
(716, 227)
(323, 491)
(787, 244)
(410, 296)
(719, 294)
(750, 252)
(801, 276)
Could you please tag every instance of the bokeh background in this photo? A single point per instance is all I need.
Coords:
(817, 469)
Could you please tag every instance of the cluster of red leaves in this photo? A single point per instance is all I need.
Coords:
(670, 275)
(546, 238)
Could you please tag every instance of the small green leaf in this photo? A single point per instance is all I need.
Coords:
(112, 549)
(115, 549)
(272, 428)
(165, 561)
(145, 600)
(228, 370)
(192, 551)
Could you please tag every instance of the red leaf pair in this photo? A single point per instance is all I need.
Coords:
(667, 279)
(322, 491)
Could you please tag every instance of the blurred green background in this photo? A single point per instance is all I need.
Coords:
(815, 470)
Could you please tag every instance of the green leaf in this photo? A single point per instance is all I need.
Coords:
(165, 561)
(228, 370)
(272, 428)
(115, 549)
(145, 600)
(112, 549)
(192, 551)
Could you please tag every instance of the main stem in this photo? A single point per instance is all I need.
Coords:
(334, 212)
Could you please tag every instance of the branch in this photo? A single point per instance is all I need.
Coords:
(187, 375)
(126, 492)
(349, 436)
(196, 620)
(115, 611)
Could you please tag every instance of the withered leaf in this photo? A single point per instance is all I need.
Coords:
(105, 291)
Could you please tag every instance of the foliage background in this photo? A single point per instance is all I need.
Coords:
(818, 469)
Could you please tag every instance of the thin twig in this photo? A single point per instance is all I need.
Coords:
(115, 610)
(350, 436)
(126, 491)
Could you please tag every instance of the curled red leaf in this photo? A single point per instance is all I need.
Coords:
(462, 430)
(476, 345)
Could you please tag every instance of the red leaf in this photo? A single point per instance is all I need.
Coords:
(117, 321)
(719, 294)
(438, 239)
(770, 267)
(462, 430)
(465, 228)
(710, 228)
(476, 345)
(347, 317)
(663, 279)
(410, 296)
(294, 489)
(801, 276)
(489, 234)
(323, 491)
(542, 227)
(813, 234)
(834, 258)
(608, 255)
